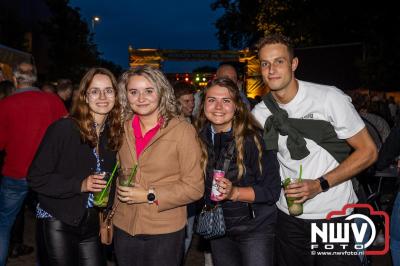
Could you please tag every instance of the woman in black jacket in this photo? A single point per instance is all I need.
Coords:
(61, 173)
(251, 185)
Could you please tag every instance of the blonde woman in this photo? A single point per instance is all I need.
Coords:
(151, 216)
(251, 185)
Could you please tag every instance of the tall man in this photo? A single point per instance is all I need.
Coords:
(314, 126)
(24, 118)
(228, 71)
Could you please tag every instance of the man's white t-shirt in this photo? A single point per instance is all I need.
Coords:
(318, 102)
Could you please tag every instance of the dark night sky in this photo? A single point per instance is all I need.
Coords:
(162, 24)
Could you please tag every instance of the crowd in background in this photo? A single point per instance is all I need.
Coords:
(151, 104)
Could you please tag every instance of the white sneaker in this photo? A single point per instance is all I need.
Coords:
(208, 259)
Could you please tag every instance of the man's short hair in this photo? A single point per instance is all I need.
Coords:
(25, 75)
(222, 72)
(64, 85)
(276, 38)
(183, 88)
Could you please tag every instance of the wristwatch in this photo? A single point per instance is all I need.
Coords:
(323, 183)
(151, 197)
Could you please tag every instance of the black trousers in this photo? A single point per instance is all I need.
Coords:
(65, 245)
(293, 244)
(247, 249)
(149, 250)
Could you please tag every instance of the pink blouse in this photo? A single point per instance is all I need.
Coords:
(140, 140)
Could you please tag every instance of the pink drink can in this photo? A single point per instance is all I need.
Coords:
(218, 174)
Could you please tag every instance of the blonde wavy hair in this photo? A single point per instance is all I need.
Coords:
(167, 106)
(243, 124)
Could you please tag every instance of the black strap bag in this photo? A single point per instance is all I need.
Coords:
(210, 222)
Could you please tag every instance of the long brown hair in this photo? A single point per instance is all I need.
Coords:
(243, 124)
(81, 112)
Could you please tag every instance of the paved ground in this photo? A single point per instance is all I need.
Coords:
(195, 257)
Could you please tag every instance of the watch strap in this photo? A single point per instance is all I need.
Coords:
(323, 183)
(151, 191)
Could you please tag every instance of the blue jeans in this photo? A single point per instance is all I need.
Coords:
(395, 231)
(12, 195)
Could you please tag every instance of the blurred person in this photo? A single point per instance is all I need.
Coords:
(184, 94)
(229, 71)
(6, 88)
(17, 246)
(379, 106)
(392, 107)
(379, 130)
(313, 126)
(197, 100)
(75, 97)
(64, 91)
(223, 71)
(48, 87)
(2, 77)
(388, 155)
(63, 173)
(152, 214)
(250, 187)
(24, 118)
(377, 127)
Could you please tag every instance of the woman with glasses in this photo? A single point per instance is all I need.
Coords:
(151, 216)
(63, 173)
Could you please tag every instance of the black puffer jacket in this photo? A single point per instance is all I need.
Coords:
(241, 217)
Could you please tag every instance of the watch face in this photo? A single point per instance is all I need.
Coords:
(151, 197)
(324, 184)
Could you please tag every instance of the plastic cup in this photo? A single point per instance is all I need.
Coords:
(101, 198)
(126, 177)
(295, 209)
